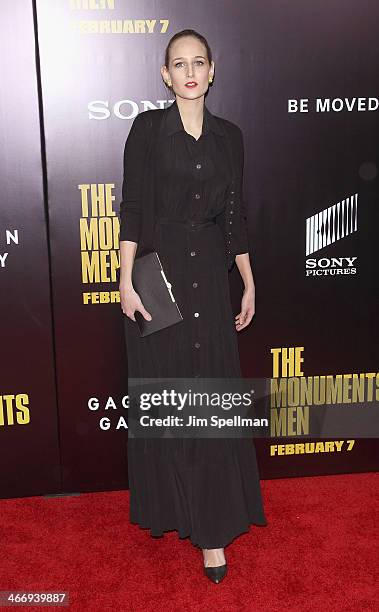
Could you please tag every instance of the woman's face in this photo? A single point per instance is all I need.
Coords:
(188, 64)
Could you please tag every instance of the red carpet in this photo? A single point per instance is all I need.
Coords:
(318, 552)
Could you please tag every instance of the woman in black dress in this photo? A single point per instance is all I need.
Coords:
(206, 489)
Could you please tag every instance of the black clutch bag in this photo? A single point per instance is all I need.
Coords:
(151, 284)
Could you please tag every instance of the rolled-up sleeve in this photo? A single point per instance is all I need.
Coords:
(240, 240)
(135, 155)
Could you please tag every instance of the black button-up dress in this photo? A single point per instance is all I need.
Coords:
(206, 489)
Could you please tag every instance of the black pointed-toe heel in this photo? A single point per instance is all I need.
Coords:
(216, 574)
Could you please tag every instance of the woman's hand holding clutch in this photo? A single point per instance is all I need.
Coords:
(131, 301)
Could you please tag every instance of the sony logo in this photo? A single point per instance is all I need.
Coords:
(122, 109)
(330, 262)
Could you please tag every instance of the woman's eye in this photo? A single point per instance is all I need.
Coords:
(181, 63)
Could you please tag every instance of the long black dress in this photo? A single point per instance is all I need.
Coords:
(206, 489)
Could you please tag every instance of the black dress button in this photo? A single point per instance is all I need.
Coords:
(198, 166)
(193, 253)
(197, 196)
(197, 344)
(194, 285)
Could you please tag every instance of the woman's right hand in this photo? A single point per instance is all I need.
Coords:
(131, 301)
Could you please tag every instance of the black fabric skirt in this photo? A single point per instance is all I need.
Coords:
(206, 489)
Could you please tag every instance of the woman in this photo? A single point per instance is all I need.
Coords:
(206, 489)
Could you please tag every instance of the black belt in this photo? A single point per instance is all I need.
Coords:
(188, 222)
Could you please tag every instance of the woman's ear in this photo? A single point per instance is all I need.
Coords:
(212, 70)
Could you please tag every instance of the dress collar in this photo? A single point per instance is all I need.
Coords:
(173, 121)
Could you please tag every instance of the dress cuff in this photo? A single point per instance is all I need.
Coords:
(130, 223)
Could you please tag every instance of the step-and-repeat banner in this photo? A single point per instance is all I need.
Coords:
(300, 82)
(29, 442)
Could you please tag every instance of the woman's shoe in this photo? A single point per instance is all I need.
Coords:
(216, 574)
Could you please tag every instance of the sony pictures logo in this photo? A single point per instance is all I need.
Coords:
(328, 227)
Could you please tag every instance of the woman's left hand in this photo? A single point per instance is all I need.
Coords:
(247, 309)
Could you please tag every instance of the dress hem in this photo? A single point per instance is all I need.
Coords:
(207, 545)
